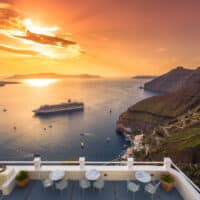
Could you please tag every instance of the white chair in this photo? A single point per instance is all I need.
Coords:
(61, 185)
(132, 187)
(99, 184)
(150, 188)
(84, 184)
(47, 183)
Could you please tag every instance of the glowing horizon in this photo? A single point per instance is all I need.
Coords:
(39, 82)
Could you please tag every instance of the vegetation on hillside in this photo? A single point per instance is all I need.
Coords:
(192, 171)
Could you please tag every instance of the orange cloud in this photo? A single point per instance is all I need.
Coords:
(18, 51)
(41, 40)
(46, 39)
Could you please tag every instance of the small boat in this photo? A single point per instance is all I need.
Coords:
(82, 145)
(88, 134)
(108, 139)
(125, 146)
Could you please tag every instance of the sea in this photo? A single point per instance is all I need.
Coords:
(59, 137)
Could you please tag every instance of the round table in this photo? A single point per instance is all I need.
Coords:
(92, 175)
(143, 176)
(57, 175)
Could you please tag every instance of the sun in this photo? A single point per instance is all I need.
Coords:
(39, 29)
(40, 82)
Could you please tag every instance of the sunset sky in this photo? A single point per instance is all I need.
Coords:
(105, 37)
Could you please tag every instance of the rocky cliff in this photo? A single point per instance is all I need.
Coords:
(173, 80)
(158, 110)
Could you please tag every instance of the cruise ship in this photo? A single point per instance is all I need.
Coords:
(59, 108)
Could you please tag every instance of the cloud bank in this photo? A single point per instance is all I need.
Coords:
(42, 40)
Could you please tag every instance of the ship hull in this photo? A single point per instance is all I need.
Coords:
(48, 112)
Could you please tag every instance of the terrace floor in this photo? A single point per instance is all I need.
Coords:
(113, 190)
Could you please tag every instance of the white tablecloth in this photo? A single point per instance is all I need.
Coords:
(57, 175)
(143, 176)
(92, 175)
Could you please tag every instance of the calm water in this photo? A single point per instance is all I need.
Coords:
(62, 141)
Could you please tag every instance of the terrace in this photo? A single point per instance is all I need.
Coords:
(114, 174)
(113, 190)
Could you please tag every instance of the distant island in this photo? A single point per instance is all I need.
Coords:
(170, 122)
(52, 75)
(144, 77)
(4, 83)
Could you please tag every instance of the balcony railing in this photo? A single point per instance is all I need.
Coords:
(117, 170)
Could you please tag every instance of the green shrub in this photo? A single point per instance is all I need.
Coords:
(192, 171)
(167, 178)
(22, 176)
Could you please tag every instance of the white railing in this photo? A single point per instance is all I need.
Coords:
(167, 164)
(78, 162)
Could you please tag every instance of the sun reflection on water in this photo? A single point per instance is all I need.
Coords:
(40, 82)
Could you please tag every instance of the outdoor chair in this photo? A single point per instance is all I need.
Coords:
(132, 187)
(47, 183)
(99, 184)
(84, 184)
(150, 188)
(61, 185)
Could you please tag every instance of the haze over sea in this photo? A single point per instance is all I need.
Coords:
(62, 141)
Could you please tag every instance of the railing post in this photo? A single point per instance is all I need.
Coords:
(82, 162)
(167, 163)
(37, 162)
(130, 162)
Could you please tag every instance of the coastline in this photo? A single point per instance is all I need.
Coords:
(135, 141)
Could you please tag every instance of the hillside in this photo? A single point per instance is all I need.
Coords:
(173, 80)
(150, 112)
(182, 145)
(171, 121)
